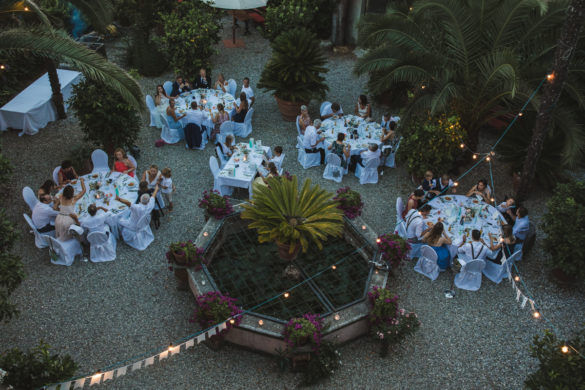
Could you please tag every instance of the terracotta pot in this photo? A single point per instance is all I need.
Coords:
(180, 259)
(288, 110)
(182, 279)
(283, 251)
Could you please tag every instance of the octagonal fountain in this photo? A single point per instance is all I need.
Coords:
(252, 273)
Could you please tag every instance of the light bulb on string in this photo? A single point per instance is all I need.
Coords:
(333, 267)
(232, 321)
(492, 200)
(516, 278)
(336, 317)
(205, 234)
(26, 9)
(550, 76)
(462, 145)
(170, 346)
(474, 156)
(520, 114)
(488, 158)
(565, 349)
(536, 314)
(363, 227)
(455, 184)
(493, 153)
(286, 294)
(97, 374)
(260, 322)
(423, 86)
(2, 66)
(378, 240)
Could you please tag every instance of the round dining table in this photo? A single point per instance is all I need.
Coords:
(207, 99)
(359, 133)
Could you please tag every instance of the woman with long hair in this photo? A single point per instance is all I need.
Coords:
(67, 215)
(438, 240)
(242, 109)
(122, 163)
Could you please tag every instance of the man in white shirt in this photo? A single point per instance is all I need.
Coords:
(43, 215)
(137, 210)
(521, 225)
(387, 118)
(195, 115)
(248, 91)
(476, 249)
(333, 110)
(415, 224)
(372, 152)
(311, 140)
(95, 222)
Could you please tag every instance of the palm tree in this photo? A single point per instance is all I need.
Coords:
(478, 59)
(55, 45)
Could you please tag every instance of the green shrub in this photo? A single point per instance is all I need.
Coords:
(106, 119)
(36, 367)
(564, 224)
(190, 33)
(80, 157)
(145, 56)
(430, 143)
(285, 15)
(557, 370)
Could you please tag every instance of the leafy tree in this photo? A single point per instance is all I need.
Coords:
(285, 15)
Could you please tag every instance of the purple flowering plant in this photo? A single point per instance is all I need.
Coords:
(350, 202)
(304, 330)
(193, 255)
(215, 204)
(393, 248)
(214, 308)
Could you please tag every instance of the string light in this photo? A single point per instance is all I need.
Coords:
(550, 76)
(488, 158)
(205, 234)
(232, 321)
(97, 374)
(376, 271)
(410, 9)
(520, 114)
(492, 199)
(378, 240)
(423, 86)
(2, 66)
(336, 317)
(455, 184)
(26, 9)
(286, 294)
(170, 346)
(260, 322)
(564, 349)
(536, 315)
(363, 227)
(516, 278)
(462, 146)
(333, 267)
(474, 156)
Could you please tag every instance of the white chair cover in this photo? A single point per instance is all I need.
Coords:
(133, 161)
(222, 158)
(497, 272)
(154, 114)
(167, 134)
(299, 142)
(168, 87)
(102, 246)
(298, 128)
(427, 263)
(279, 163)
(99, 158)
(139, 236)
(232, 87)
(308, 160)
(214, 167)
(56, 174)
(399, 209)
(391, 159)
(333, 170)
(324, 106)
(41, 239)
(244, 129)
(469, 278)
(30, 197)
(400, 229)
(225, 129)
(65, 251)
(369, 173)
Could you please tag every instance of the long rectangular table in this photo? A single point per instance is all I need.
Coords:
(240, 173)
(32, 109)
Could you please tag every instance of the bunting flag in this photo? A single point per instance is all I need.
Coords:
(96, 379)
(53, 387)
(532, 304)
(524, 300)
(223, 326)
(518, 293)
(174, 350)
(121, 371)
(189, 343)
(201, 338)
(79, 383)
(149, 361)
(108, 376)
(211, 333)
(163, 355)
(137, 366)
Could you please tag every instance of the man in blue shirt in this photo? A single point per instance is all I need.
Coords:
(522, 224)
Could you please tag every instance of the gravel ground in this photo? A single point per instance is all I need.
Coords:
(105, 313)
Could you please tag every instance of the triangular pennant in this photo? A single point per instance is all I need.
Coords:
(174, 350)
(210, 333)
(524, 301)
(54, 387)
(65, 386)
(108, 376)
(189, 343)
(79, 383)
(137, 365)
(201, 338)
(96, 379)
(532, 304)
(222, 326)
(121, 371)
(518, 293)
(149, 361)
(163, 355)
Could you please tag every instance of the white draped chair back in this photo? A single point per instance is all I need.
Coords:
(427, 262)
(324, 106)
(56, 174)
(133, 160)
(99, 159)
(391, 159)
(399, 209)
(222, 158)
(139, 236)
(30, 197)
(41, 239)
(232, 87)
(299, 142)
(469, 278)
(64, 252)
(213, 166)
(369, 173)
(299, 128)
(154, 114)
(244, 129)
(170, 136)
(333, 169)
(308, 160)
(497, 272)
(102, 247)
(225, 129)
(168, 87)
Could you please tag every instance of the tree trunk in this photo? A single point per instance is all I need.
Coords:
(57, 97)
(552, 90)
(339, 25)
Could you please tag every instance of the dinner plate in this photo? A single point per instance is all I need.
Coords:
(131, 184)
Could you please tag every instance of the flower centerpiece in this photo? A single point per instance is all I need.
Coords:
(213, 308)
(393, 248)
(215, 205)
(350, 202)
(304, 330)
(185, 253)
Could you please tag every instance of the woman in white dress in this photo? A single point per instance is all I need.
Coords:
(67, 215)
(363, 108)
(152, 176)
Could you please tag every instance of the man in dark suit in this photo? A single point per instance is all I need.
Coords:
(180, 86)
(203, 80)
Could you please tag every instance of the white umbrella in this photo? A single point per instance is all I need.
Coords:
(236, 5)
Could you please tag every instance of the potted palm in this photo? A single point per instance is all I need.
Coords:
(293, 73)
(292, 218)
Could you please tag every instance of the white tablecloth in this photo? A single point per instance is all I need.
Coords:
(211, 96)
(32, 109)
(368, 132)
(461, 215)
(243, 175)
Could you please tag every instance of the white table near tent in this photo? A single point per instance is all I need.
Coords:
(32, 109)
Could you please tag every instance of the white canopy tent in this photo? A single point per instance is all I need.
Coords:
(237, 5)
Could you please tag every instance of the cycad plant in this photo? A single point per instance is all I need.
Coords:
(293, 73)
(282, 213)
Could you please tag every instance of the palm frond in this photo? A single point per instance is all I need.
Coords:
(98, 13)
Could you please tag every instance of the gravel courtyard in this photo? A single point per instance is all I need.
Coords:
(108, 312)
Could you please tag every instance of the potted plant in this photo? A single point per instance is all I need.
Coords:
(293, 73)
(181, 255)
(302, 331)
(393, 249)
(215, 205)
(213, 308)
(292, 218)
(350, 202)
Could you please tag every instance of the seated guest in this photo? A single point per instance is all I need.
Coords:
(172, 117)
(438, 240)
(333, 110)
(372, 152)
(277, 157)
(508, 209)
(167, 187)
(443, 185)
(248, 90)
(203, 80)
(272, 172)
(505, 246)
(521, 224)
(67, 216)
(218, 119)
(161, 97)
(67, 173)
(143, 189)
(363, 108)
(388, 139)
(387, 119)
(476, 249)
(481, 190)
(311, 140)
(304, 120)
(122, 163)
(137, 210)
(413, 201)
(415, 224)
(341, 149)
(428, 183)
(96, 222)
(180, 86)
(241, 110)
(227, 148)
(43, 215)
(221, 84)
(151, 176)
(48, 188)
(196, 115)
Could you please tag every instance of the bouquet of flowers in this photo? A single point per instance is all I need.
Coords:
(350, 202)
(214, 308)
(185, 253)
(393, 248)
(304, 330)
(216, 205)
